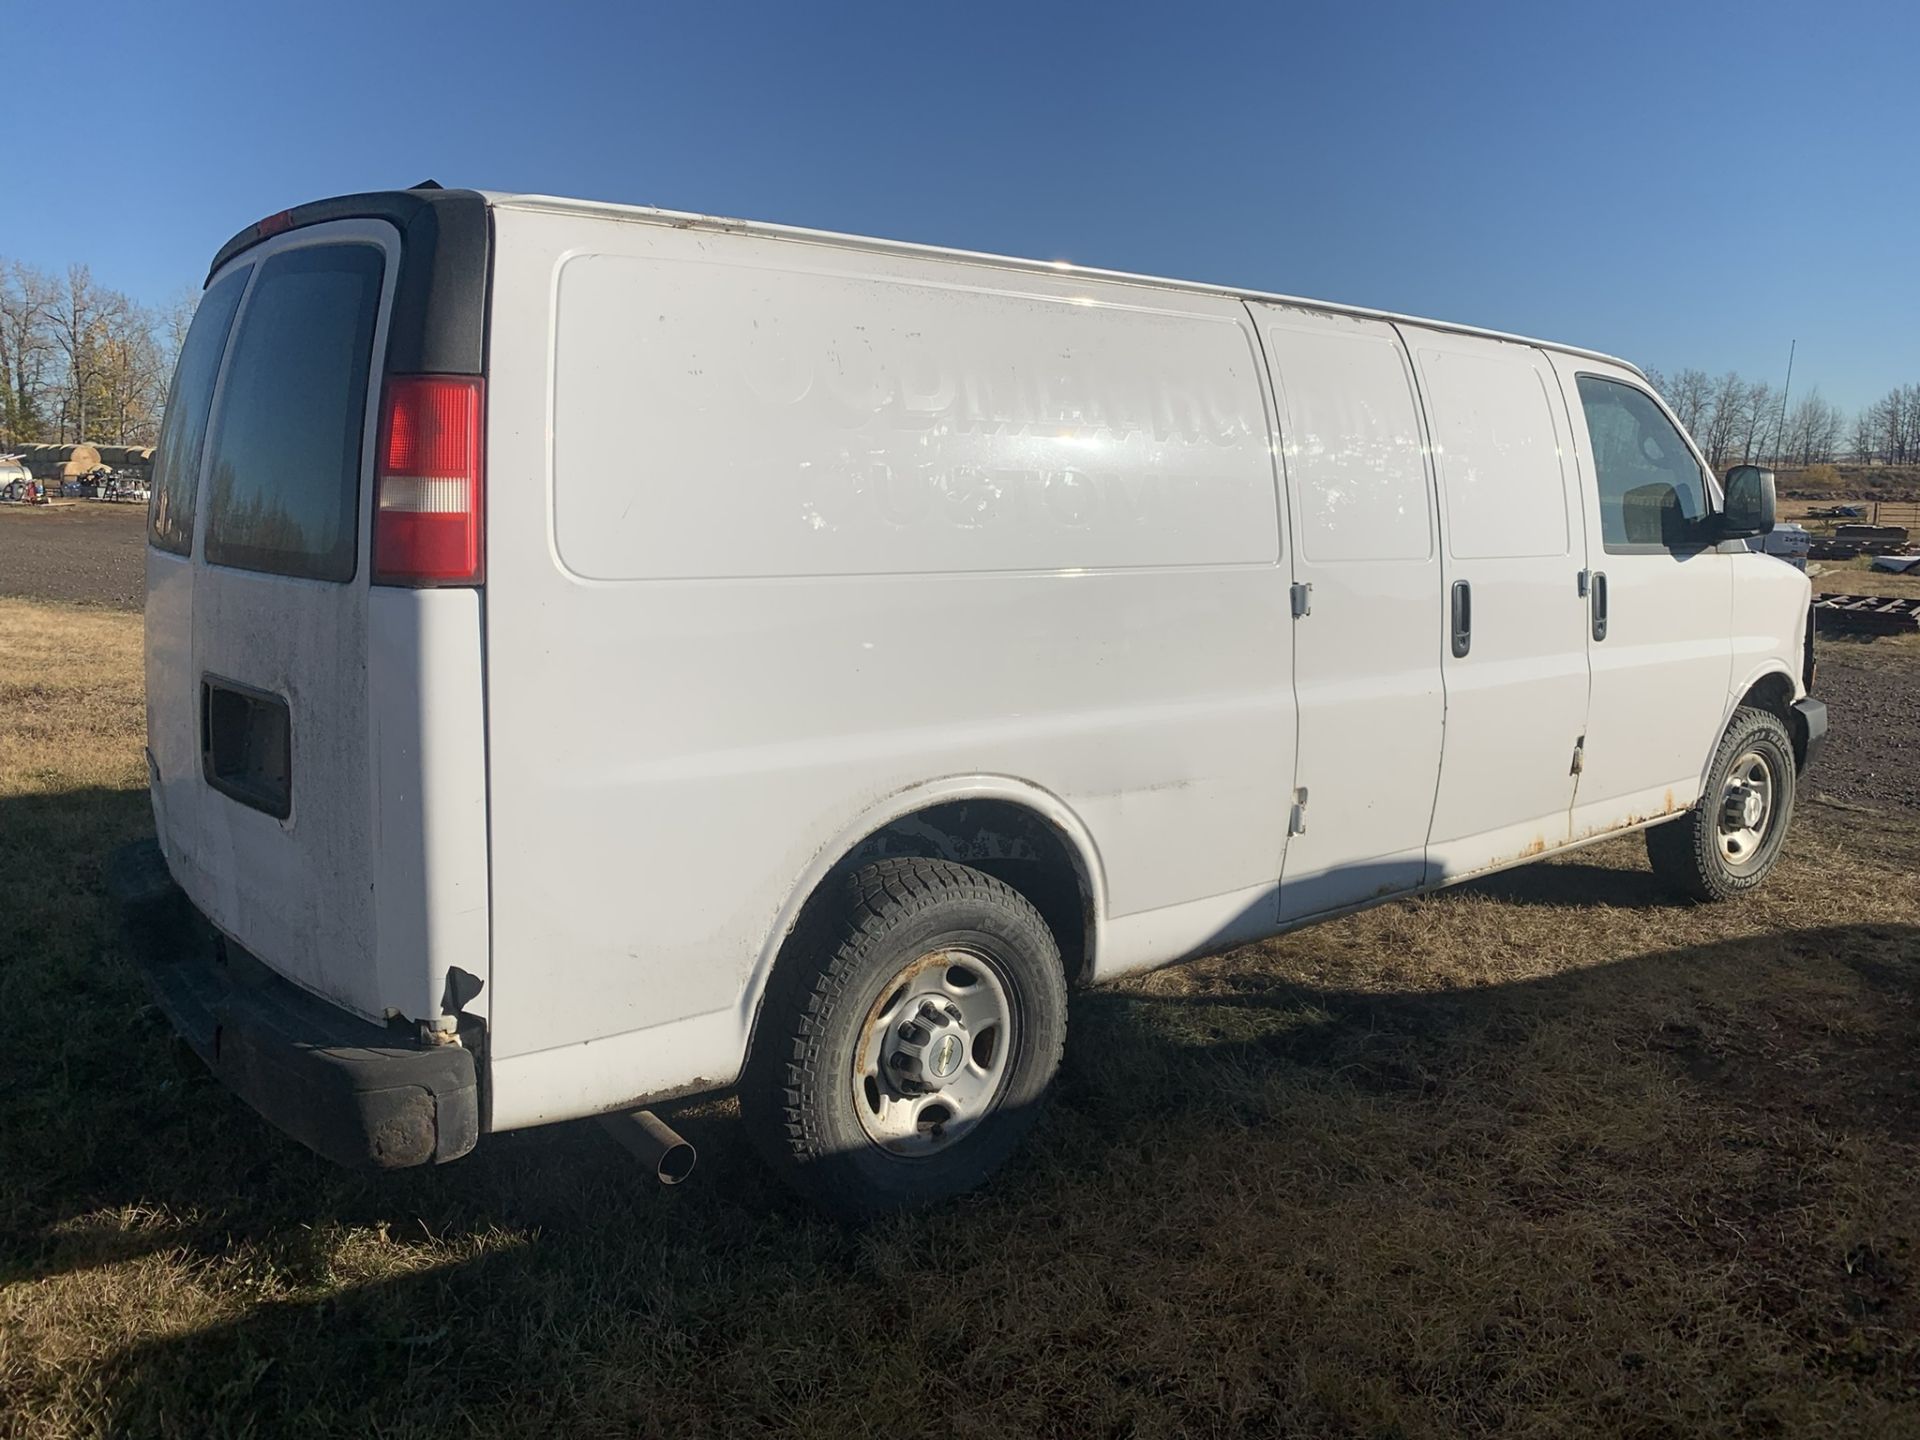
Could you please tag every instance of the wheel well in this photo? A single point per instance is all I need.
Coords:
(1015, 845)
(1773, 692)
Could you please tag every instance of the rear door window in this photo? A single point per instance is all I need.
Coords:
(286, 451)
(176, 462)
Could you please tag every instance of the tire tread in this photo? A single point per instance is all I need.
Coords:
(1685, 853)
(785, 1086)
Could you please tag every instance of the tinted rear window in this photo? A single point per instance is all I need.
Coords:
(286, 450)
(176, 461)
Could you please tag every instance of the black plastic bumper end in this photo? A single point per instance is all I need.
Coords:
(352, 1091)
(1813, 726)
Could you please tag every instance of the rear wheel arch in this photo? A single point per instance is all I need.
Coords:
(1010, 829)
(910, 1038)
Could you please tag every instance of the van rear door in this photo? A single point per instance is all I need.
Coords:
(273, 837)
(317, 731)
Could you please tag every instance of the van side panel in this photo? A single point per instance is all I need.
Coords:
(779, 531)
(729, 419)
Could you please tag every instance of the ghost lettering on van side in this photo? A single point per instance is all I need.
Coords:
(973, 379)
(845, 388)
(1065, 448)
(840, 412)
(852, 489)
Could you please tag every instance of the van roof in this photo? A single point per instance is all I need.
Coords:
(688, 220)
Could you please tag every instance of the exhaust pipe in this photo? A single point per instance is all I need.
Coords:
(654, 1143)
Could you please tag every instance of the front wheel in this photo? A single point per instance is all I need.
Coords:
(1729, 842)
(907, 1039)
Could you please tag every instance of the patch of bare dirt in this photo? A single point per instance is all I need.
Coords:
(87, 552)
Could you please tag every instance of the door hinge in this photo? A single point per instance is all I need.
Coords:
(1297, 819)
(1579, 755)
(1302, 599)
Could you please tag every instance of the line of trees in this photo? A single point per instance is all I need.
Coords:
(1889, 429)
(1739, 421)
(80, 361)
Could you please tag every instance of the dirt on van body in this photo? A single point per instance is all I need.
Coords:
(84, 552)
(1550, 1153)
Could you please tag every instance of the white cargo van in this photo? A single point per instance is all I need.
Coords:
(597, 654)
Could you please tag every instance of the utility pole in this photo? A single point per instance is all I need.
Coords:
(1780, 435)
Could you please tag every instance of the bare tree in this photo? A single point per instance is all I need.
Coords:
(1690, 393)
(1894, 421)
(1861, 439)
(132, 378)
(175, 316)
(1812, 431)
(1724, 414)
(79, 361)
(77, 320)
(26, 303)
(1759, 415)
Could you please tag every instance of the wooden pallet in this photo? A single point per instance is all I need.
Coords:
(1865, 615)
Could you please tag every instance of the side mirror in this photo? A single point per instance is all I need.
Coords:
(1749, 504)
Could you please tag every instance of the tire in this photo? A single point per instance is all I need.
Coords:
(1708, 855)
(849, 996)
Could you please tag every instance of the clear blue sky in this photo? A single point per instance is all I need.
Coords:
(1680, 183)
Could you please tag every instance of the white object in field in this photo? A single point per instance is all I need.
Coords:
(1788, 541)
(790, 537)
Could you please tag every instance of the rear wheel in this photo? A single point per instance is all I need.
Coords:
(907, 1039)
(1729, 842)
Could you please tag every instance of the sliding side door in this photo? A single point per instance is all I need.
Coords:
(1366, 628)
(1515, 546)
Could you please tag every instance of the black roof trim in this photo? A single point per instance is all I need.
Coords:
(439, 322)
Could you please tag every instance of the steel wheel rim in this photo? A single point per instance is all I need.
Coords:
(1747, 801)
(934, 1054)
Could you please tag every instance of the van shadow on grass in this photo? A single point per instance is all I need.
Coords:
(1576, 882)
(544, 1281)
(713, 1307)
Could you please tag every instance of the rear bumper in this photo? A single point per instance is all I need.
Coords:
(354, 1092)
(1813, 721)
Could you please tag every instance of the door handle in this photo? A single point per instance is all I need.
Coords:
(1597, 593)
(1462, 618)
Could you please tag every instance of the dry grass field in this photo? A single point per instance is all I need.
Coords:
(1550, 1154)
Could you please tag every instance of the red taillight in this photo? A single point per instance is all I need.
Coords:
(277, 223)
(426, 496)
